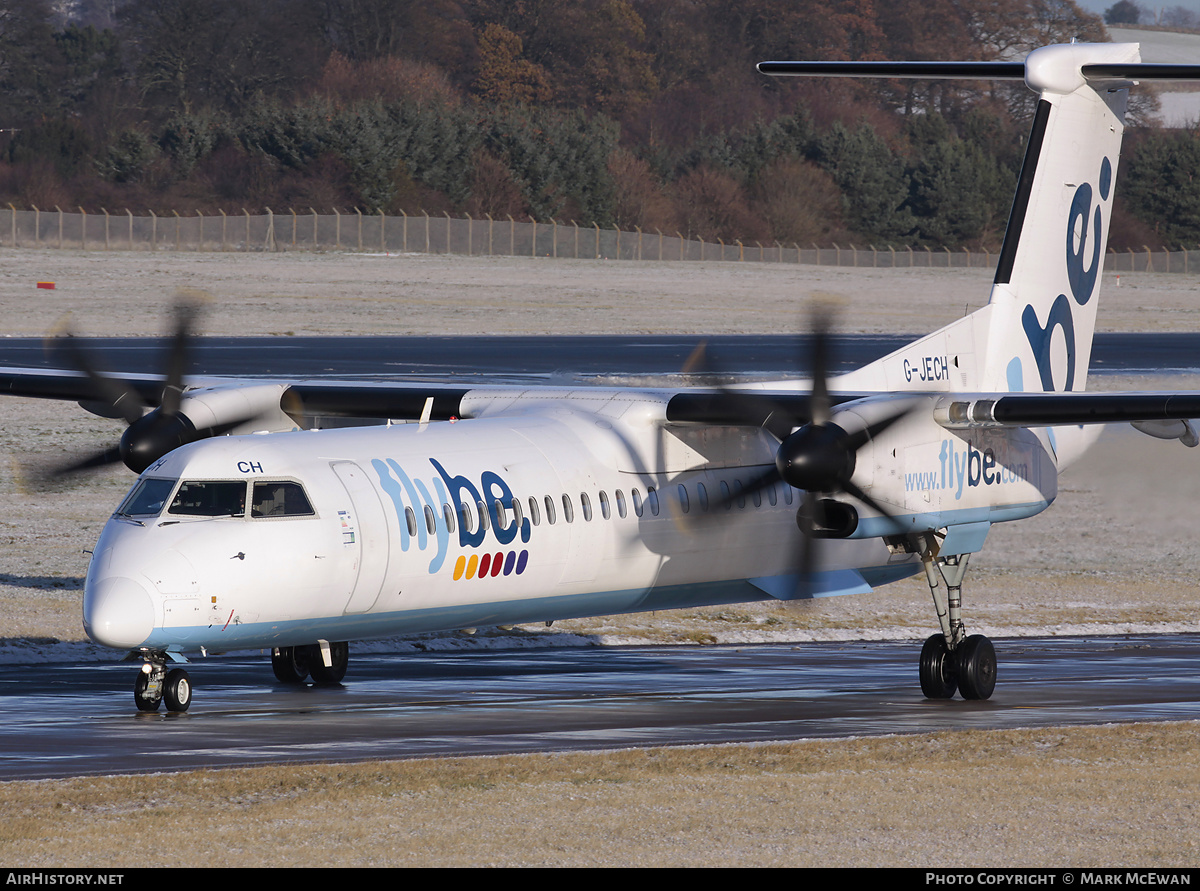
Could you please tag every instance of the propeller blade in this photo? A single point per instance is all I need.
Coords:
(742, 406)
(697, 360)
(225, 426)
(119, 398)
(806, 519)
(820, 409)
(177, 357)
(98, 459)
(851, 489)
(764, 480)
(857, 440)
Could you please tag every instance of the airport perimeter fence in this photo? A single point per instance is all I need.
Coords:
(421, 233)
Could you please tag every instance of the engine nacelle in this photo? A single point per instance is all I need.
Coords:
(253, 408)
(205, 412)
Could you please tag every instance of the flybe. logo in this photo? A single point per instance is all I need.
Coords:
(1085, 253)
(412, 496)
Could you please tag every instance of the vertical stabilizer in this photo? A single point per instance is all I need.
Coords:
(1036, 331)
(1042, 312)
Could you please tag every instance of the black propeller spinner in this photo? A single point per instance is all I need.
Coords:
(150, 435)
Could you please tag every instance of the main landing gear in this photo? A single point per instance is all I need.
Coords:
(325, 661)
(155, 686)
(951, 660)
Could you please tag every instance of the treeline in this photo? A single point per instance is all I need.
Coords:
(643, 113)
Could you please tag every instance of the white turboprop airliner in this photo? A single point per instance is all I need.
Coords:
(500, 505)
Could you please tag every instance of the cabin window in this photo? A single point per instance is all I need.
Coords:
(740, 493)
(550, 510)
(279, 500)
(702, 495)
(534, 514)
(585, 505)
(147, 498)
(448, 513)
(787, 494)
(410, 520)
(468, 520)
(208, 498)
(501, 514)
(430, 520)
(772, 494)
(518, 516)
(605, 508)
(725, 499)
(637, 502)
(684, 504)
(483, 515)
(568, 508)
(757, 496)
(622, 510)
(652, 499)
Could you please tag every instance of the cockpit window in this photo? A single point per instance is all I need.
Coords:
(147, 498)
(209, 498)
(280, 500)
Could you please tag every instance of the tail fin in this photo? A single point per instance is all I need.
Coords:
(1036, 331)
(1043, 306)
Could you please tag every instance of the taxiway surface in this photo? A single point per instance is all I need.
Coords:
(475, 357)
(79, 719)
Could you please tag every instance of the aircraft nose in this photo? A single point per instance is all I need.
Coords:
(117, 612)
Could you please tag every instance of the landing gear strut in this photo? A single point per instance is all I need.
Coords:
(951, 660)
(155, 685)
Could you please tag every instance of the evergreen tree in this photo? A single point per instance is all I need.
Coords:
(1162, 187)
(871, 177)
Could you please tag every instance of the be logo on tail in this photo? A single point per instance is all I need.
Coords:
(1084, 237)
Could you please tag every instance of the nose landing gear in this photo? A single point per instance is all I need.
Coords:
(155, 685)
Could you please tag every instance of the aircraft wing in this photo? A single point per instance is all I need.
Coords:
(315, 399)
(378, 399)
(1062, 409)
(42, 383)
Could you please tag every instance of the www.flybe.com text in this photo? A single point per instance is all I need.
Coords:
(964, 469)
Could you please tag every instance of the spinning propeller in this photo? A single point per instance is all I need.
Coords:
(150, 434)
(815, 455)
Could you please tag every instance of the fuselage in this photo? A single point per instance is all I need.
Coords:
(559, 509)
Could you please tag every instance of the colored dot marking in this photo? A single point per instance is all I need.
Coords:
(491, 565)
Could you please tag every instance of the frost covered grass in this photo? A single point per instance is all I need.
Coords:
(1101, 796)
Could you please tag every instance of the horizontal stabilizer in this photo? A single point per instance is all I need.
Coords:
(1144, 72)
(933, 70)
